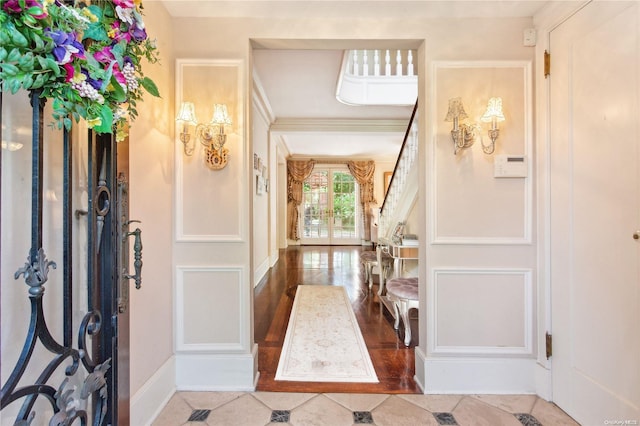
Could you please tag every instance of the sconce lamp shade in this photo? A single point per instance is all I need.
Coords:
(456, 110)
(220, 115)
(187, 114)
(494, 111)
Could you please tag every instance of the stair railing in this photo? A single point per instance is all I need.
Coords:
(404, 165)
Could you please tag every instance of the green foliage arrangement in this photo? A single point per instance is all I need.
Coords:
(86, 57)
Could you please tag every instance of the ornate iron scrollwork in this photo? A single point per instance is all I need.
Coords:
(66, 401)
(63, 403)
(36, 272)
(69, 401)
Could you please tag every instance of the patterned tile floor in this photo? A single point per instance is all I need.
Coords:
(337, 409)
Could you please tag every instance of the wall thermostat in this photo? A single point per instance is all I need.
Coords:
(510, 166)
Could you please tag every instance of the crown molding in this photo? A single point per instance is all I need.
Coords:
(338, 125)
(261, 101)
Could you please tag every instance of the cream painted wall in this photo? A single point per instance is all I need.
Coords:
(281, 204)
(151, 201)
(261, 203)
(382, 166)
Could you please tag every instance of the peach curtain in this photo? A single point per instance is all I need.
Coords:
(297, 172)
(363, 171)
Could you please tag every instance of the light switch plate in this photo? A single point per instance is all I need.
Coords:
(529, 38)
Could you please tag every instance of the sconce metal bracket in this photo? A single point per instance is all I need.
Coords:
(216, 159)
(464, 137)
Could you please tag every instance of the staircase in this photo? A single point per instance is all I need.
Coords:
(387, 77)
(403, 189)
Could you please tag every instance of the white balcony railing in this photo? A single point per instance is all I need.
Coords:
(377, 77)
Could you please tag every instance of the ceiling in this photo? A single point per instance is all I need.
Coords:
(299, 85)
(360, 8)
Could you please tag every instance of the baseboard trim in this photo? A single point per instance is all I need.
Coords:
(420, 361)
(260, 271)
(217, 372)
(544, 385)
(150, 399)
(274, 258)
(476, 375)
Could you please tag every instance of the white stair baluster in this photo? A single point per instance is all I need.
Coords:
(376, 62)
(356, 66)
(365, 63)
(387, 66)
(398, 63)
(410, 65)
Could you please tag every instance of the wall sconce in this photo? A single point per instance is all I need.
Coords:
(463, 135)
(211, 134)
(493, 115)
(187, 116)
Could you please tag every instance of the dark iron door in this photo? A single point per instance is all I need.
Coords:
(67, 369)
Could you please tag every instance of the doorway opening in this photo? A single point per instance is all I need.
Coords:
(327, 231)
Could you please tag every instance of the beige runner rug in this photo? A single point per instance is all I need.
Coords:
(323, 341)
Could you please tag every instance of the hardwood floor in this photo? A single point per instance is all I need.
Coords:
(339, 266)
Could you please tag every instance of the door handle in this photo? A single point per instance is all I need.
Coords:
(123, 299)
(123, 239)
(137, 256)
(636, 235)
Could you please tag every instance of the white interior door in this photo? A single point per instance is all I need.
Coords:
(595, 212)
(330, 208)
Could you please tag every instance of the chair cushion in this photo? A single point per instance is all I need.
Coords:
(368, 256)
(403, 287)
(386, 256)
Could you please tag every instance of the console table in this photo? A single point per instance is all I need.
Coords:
(399, 253)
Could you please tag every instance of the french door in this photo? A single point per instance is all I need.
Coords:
(330, 208)
(595, 213)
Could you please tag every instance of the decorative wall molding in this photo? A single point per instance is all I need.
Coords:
(236, 232)
(526, 233)
(242, 297)
(525, 278)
